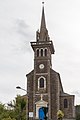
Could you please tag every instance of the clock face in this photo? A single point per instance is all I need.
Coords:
(41, 66)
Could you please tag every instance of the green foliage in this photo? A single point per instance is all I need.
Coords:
(9, 118)
(20, 108)
(17, 111)
(77, 112)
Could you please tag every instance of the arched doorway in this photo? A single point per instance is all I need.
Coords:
(39, 105)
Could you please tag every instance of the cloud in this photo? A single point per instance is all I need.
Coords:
(24, 34)
(23, 29)
(15, 37)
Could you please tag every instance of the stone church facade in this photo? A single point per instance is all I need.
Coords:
(43, 83)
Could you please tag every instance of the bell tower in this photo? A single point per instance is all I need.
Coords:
(43, 49)
(44, 85)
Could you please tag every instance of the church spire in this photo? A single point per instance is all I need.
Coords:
(43, 23)
(43, 30)
(43, 34)
(42, 37)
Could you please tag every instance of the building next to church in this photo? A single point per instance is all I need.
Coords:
(43, 83)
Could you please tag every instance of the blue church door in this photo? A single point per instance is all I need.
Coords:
(41, 114)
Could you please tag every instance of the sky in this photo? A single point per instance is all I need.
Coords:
(19, 21)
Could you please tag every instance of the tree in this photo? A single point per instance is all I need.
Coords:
(9, 118)
(20, 108)
(17, 111)
(77, 112)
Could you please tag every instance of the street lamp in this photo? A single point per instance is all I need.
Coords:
(18, 87)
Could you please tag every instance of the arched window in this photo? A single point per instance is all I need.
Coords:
(37, 52)
(41, 85)
(45, 52)
(65, 103)
(41, 52)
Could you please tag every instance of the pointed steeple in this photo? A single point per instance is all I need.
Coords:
(43, 23)
(43, 31)
(42, 37)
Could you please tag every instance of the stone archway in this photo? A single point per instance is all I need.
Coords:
(40, 104)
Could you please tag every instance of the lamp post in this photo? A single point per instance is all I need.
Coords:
(18, 87)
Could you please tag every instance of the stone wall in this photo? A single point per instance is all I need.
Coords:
(69, 110)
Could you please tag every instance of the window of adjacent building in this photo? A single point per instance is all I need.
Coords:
(65, 103)
(37, 52)
(41, 83)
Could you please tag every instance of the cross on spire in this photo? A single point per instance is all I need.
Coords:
(43, 3)
(43, 23)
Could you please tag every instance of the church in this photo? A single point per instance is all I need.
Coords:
(44, 85)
